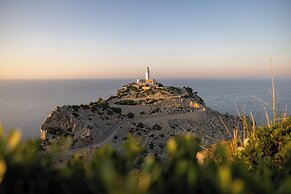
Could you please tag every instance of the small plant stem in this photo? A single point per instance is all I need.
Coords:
(273, 93)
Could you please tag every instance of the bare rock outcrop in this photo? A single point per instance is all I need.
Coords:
(152, 113)
(84, 123)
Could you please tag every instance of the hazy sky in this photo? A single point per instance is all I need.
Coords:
(117, 39)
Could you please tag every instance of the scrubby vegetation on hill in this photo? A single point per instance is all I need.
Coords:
(93, 123)
(262, 164)
(138, 91)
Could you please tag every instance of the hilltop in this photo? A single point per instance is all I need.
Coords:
(151, 112)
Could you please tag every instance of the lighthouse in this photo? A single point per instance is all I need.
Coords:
(147, 75)
(147, 81)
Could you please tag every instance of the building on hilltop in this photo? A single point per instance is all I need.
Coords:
(147, 75)
(147, 79)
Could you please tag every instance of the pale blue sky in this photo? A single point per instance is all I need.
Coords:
(118, 39)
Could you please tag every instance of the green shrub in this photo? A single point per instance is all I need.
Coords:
(116, 110)
(157, 127)
(126, 102)
(140, 125)
(75, 114)
(186, 168)
(130, 115)
(109, 112)
(271, 147)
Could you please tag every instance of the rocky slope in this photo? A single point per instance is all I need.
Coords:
(84, 123)
(153, 113)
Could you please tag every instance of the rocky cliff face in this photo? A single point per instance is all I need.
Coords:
(153, 113)
(84, 123)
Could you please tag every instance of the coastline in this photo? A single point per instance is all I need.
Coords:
(151, 112)
(35, 99)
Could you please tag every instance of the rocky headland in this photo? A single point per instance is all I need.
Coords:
(151, 112)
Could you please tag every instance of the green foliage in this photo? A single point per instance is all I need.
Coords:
(262, 166)
(126, 102)
(189, 90)
(173, 90)
(99, 105)
(116, 110)
(130, 115)
(269, 148)
(75, 114)
(109, 112)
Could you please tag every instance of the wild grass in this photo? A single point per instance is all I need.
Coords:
(249, 122)
(258, 163)
(263, 166)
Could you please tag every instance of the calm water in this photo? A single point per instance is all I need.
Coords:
(25, 104)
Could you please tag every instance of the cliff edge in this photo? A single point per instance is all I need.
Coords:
(151, 112)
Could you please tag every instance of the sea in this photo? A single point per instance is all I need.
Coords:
(25, 104)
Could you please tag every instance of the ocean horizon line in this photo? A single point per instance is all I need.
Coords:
(72, 79)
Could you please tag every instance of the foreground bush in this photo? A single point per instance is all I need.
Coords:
(268, 150)
(262, 166)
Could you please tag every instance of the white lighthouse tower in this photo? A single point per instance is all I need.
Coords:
(147, 82)
(147, 75)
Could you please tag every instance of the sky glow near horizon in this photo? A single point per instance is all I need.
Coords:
(60, 39)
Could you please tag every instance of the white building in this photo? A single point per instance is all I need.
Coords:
(147, 76)
(147, 79)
